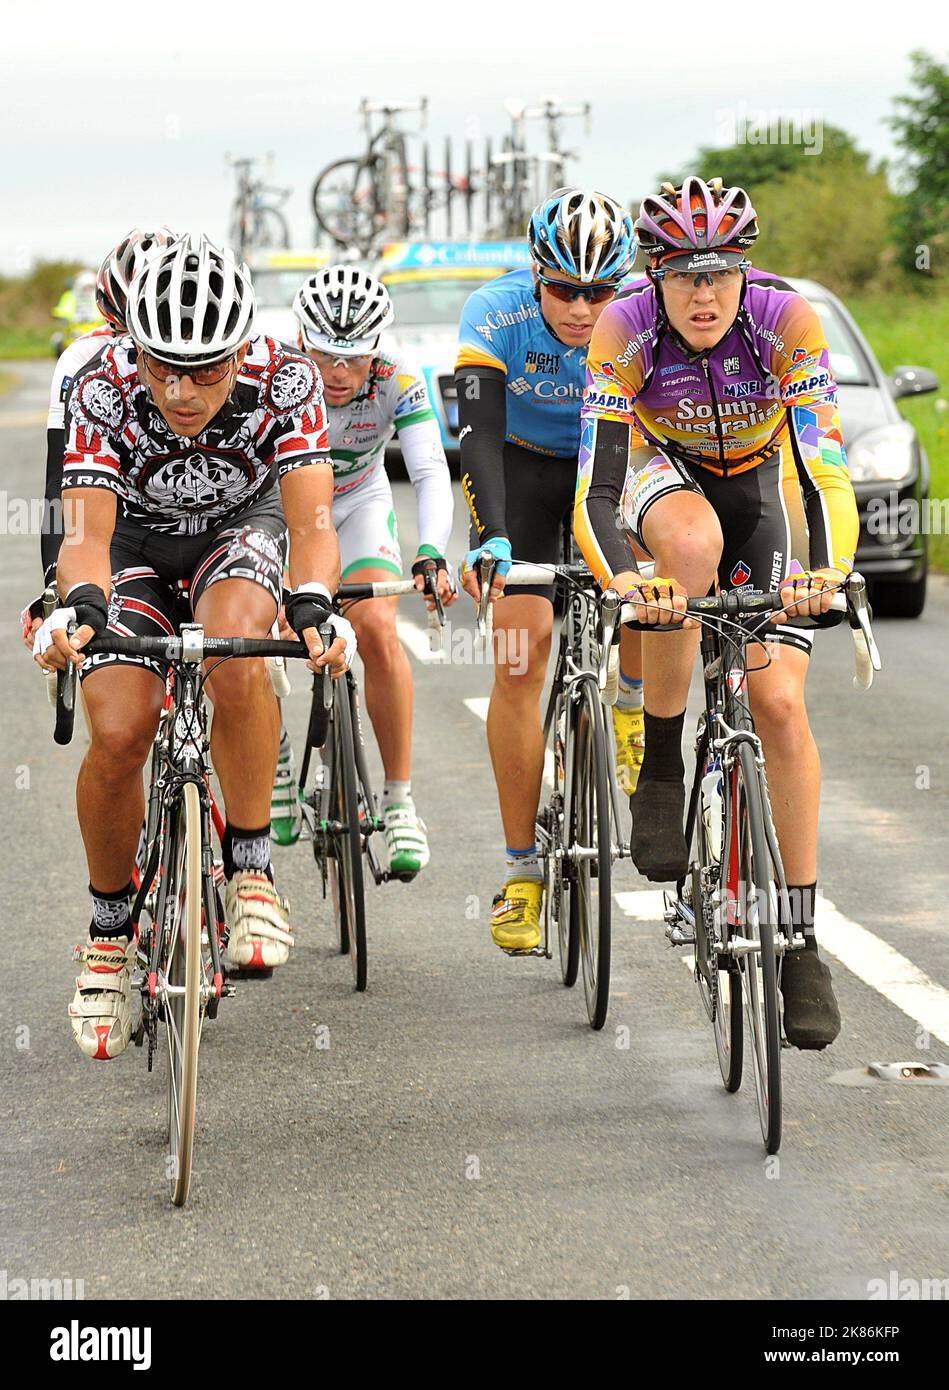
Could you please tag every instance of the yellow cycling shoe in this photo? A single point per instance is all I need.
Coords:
(630, 732)
(515, 917)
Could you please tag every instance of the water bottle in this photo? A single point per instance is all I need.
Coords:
(713, 809)
(559, 753)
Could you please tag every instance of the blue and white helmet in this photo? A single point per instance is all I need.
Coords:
(583, 234)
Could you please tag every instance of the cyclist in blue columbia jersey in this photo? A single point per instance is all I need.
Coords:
(520, 378)
(373, 396)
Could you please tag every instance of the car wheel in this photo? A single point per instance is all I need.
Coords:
(899, 600)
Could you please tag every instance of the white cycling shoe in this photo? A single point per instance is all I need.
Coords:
(258, 922)
(406, 840)
(101, 1011)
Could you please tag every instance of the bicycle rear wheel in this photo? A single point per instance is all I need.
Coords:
(270, 228)
(345, 867)
(182, 923)
(345, 202)
(758, 915)
(589, 845)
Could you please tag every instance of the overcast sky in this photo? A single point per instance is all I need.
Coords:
(119, 115)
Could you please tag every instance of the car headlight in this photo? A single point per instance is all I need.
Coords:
(883, 455)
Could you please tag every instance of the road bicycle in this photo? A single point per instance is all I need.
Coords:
(340, 810)
(732, 906)
(361, 201)
(580, 814)
(177, 913)
(257, 222)
(517, 179)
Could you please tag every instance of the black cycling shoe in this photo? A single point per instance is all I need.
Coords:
(657, 843)
(811, 1015)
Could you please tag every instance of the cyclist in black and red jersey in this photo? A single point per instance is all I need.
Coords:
(190, 448)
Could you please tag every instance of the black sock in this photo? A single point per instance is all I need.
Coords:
(802, 896)
(110, 913)
(246, 849)
(662, 759)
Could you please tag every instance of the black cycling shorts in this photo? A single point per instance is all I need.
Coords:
(158, 579)
(761, 513)
(539, 492)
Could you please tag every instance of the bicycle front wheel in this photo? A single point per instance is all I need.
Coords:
(183, 997)
(758, 915)
(589, 848)
(718, 983)
(345, 866)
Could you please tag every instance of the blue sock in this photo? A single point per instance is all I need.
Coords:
(522, 863)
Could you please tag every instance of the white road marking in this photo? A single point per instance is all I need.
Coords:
(863, 953)
(416, 639)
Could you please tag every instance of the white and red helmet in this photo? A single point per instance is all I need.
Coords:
(121, 266)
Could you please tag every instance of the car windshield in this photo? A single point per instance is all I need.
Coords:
(847, 359)
(275, 289)
(418, 303)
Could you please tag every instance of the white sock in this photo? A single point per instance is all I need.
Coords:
(396, 794)
(630, 693)
(522, 863)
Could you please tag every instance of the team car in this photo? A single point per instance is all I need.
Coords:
(429, 282)
(277, 275)
(888, 466)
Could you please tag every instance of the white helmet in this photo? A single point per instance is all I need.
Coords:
(192, 302)
(343, 310)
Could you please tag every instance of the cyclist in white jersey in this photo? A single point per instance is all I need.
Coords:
(112, 283)
(373, 395)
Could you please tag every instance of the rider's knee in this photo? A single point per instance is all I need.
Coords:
(780, 711)
(121, 740)
(378, 640)
(520, 662)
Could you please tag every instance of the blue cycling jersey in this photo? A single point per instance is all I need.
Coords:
(501, 327)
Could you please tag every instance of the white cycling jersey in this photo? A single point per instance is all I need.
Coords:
(394, 400)
(68, 365)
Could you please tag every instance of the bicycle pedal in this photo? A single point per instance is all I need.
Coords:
(233, 973)
(534, 951)
(401, 878)
(679, 936)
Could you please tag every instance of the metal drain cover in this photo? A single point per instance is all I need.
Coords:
(902, 1073)
(927, 1072)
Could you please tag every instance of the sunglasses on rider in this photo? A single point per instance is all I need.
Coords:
(201, 376)
(692, 279)
(593, 294)
(326, 360)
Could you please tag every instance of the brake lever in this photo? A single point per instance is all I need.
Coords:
(607, 676)
(436, 615)
(486, 567)
(327, 637)
(866, 652)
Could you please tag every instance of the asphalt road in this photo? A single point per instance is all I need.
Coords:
(464, 1133)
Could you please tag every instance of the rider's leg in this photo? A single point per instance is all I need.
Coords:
(387, 681)
(522, 626)
(811, 1015)
(683, 534)
(122, 704)
(244, 702)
